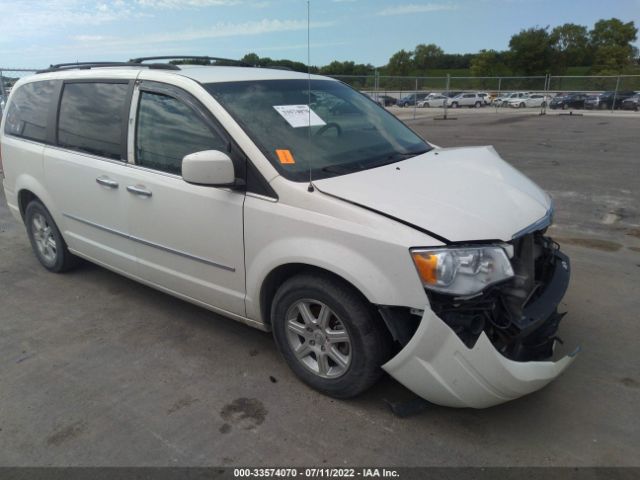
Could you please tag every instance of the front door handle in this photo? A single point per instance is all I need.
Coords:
(107, 182)
(139, 190)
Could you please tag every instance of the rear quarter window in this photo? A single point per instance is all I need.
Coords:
(28, 111)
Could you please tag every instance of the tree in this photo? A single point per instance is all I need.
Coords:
(251, 59)
(570, 45)
(611, 41)
(254, 59)
(426, 56)
(347, 68)
(400, 63)
(488, 63)
(530, 52)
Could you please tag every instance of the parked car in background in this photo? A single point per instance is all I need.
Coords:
(502, 100)
(486, 98)
(530, 101)
(411, 99)
(632, 103)
(568, 100)
(388, 100)
(435, 100)
(3, 101)
(607, 100)
(375, 99)
(432, 96)
(499, 98)
(466, 100)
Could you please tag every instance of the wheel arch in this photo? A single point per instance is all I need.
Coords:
(280, 274)
(25, 197)
(28, 189)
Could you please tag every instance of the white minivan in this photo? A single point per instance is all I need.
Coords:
(297, 205)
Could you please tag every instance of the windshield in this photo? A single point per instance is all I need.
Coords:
(349, 132)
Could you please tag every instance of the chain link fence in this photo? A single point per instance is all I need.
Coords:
(405, 91)
(410, 91)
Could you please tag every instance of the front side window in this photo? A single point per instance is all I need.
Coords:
(29, 109)
(91, 118)
(167, 130)
(342, 132)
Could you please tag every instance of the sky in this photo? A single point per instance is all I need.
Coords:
(36, 33)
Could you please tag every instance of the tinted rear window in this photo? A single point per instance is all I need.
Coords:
(91, 118)
(29, 109)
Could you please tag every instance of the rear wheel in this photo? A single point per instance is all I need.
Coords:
(329, 335)
(565, 106)
(454, 105)
(46, 241)
(477, 105)
(522, 105)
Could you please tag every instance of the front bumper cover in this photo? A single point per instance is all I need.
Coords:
(436, 365)
(439, 367)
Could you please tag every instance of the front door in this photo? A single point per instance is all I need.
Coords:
(188, 238)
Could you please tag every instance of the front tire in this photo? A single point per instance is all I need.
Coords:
(329, 335)
(454, 105)
(46, 240)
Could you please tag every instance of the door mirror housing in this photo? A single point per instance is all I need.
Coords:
(209, 167)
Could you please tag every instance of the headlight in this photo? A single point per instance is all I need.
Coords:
(461, 271)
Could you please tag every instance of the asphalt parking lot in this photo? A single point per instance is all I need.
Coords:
(98, 370)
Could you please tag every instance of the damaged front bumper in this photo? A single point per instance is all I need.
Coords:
(436, 365)
(439, 366)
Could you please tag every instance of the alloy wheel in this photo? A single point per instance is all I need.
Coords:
(44, 238)
(318, 338)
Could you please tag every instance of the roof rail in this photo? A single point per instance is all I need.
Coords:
(88, 65)
(193, 57)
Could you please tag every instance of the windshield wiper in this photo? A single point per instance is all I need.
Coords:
(389, 159)
(393, 158)
(341, 168)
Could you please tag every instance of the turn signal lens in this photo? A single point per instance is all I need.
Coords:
(426, 265)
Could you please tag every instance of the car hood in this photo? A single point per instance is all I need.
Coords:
(458, 194)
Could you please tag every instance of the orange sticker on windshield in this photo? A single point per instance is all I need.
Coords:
(285, 157)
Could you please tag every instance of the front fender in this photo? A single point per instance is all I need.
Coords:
(348, 264)
(378, 265)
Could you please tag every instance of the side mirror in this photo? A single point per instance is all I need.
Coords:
(209, 167)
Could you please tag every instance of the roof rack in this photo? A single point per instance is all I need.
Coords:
(193, 57)
(89, 65)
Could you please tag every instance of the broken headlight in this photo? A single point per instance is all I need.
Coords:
(461, 271)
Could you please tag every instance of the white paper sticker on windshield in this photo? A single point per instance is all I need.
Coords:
(299, 115)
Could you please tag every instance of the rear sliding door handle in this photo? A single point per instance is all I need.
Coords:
(107, 182)
(139, 190)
